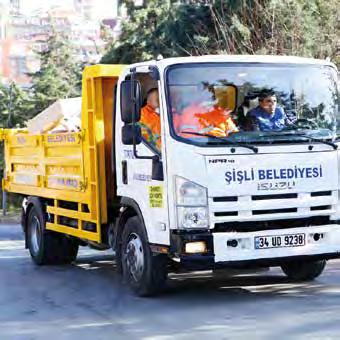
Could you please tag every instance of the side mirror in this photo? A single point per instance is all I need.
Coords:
(131, 134)
(130, 101)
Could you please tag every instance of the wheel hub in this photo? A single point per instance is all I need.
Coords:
(135, 257)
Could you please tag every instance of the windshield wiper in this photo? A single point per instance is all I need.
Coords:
(312, 139)
(333, 145)
(227, 141)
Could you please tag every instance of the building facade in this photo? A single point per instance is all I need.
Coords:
(21, 35)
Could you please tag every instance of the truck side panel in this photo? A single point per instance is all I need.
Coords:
(51, 166)
(73, 171)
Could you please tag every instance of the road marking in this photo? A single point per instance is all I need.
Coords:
(12, 245)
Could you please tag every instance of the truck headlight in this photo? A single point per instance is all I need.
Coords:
(192, 205)
(192, 217)
(189, 193)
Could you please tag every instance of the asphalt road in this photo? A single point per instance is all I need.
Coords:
(87, 300)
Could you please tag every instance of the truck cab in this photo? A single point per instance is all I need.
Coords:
(248, 198)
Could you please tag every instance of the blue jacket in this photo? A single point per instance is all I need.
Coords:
(264, 121)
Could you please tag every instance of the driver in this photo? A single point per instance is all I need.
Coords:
(150, 120)
(267, 116)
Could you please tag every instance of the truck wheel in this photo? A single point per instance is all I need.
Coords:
(144, 272)
(303, 270)
(68, 249)
(48, 247)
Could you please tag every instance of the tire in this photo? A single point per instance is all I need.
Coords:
(116, 248)
(68, 248)
(48, 247)
(303, 270)
(144, 272)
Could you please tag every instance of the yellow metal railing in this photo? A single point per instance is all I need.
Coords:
(64, 168)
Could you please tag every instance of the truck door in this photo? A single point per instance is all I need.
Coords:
(135, 180)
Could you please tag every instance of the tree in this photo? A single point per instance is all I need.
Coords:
(59, 75)
(158, 27)
(15, 106)
(178, 28)
(297, 27)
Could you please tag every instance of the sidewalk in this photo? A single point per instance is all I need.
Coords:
(12, 217)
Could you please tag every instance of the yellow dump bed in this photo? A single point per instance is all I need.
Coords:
(72, 170)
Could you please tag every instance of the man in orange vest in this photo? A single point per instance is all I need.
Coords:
(217, 122)
(187, 120)
(150, 120)
(191, 102)
(213, 119)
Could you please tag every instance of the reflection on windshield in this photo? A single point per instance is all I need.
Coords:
(252, 102)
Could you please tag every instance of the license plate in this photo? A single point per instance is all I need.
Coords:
(280, 241)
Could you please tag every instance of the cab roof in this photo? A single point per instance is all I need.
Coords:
(270, 59)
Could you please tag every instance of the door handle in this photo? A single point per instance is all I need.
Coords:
(124, 172)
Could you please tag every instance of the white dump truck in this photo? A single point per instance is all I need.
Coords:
(197, 200)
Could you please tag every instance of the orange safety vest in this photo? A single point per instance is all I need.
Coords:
(151, 130)
(187, 120)
(217, 122)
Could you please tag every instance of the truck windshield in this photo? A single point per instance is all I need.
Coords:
(252, 102)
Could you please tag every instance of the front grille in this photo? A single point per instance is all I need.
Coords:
(274, 211)
(321, 207)
(225, 199)
(321, 193)
(273, 197)
(272, 206)
(271, 225)
(226, 213)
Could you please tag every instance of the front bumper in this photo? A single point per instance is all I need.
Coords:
(221, 249)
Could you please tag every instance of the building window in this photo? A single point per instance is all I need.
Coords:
(18, 66)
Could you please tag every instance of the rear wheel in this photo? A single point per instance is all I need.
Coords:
(48, 247)
(303, 270)
(143, 271)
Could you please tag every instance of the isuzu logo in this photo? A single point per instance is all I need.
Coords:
(276, 186)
